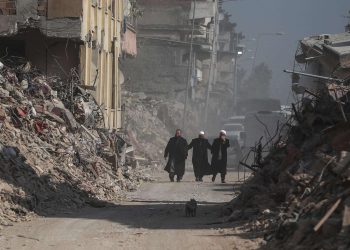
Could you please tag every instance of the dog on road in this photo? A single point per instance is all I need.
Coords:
(191, 208)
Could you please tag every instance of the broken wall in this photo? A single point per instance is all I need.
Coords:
(64, 26)
(158, 69)
(203, 9)
(102, 25)
(23, 8)
(129, 41)
(52, 56)
(225, 69)
(324, 55)
(164, 13)
(21, 14)
(64, 8)
(8, 7)
(13, 12)
(27, 8)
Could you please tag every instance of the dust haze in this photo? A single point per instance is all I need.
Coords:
(174, 124)
(297, 19)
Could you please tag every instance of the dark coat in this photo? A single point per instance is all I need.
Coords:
(219, 165)
(200, 156)
(176, 149)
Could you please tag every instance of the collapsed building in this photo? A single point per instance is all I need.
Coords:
(50, 161)
(299, 193)
(87, 37)
(164, 38)
(325, 55)
(60, 106)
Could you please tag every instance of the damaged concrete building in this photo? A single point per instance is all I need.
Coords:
(304, 180)
(62, 36)
(326, 55)
(331, 52)
(164, 39)
(167, 33)
(223, 88)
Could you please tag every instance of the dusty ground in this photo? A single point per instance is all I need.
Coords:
(152, 218)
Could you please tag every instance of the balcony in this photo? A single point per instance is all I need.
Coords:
(129, 45)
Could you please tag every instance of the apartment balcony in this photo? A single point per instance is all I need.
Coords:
(129, 41)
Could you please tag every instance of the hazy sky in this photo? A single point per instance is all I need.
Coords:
(296, 18)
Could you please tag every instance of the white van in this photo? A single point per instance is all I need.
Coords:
(235, 131)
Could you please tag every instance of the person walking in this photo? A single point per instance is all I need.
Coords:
(200, 163)
(176, 149)
(219, 156)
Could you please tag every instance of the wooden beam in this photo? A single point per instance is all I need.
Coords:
(327, 215)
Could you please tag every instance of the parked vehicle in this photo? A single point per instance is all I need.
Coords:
(256, 104)
(236, 131)
(234, 119)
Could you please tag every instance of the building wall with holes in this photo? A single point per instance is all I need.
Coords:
(58, 35)
(102, 26)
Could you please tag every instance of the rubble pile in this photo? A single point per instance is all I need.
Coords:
(146, 131)
(150, 122)
(50, 162)
(299, 194)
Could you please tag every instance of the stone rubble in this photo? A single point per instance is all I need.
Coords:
(150, 122)
(299, 193)
(53, 156)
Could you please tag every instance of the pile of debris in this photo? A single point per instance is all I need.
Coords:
(50, 161)
(146, 131)
(150, 122)
(299, 195)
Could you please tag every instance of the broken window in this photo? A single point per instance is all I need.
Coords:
(113, 8)
(11, 48)
(42, 7)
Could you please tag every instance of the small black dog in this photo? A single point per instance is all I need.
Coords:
(191, 208)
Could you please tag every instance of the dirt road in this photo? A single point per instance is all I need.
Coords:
(152, 218)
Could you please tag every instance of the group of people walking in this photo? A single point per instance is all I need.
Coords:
(177, 151)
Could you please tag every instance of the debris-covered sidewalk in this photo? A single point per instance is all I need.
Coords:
(299, 195)
(54, 153)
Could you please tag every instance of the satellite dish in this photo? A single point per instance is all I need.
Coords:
(121, 77)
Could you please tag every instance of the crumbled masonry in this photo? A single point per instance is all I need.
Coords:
(299, 193)
(54, 153)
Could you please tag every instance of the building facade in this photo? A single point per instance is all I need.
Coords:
(164, 41)
(87, 36)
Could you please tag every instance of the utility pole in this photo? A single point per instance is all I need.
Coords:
(235, 81)
(189, 72)
(213, 63)
(235, 84)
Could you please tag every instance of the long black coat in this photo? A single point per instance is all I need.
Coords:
(200, 156)
(176, 149)
(219, 165)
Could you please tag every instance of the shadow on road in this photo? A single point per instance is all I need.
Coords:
(156, 215)
(44, 196)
